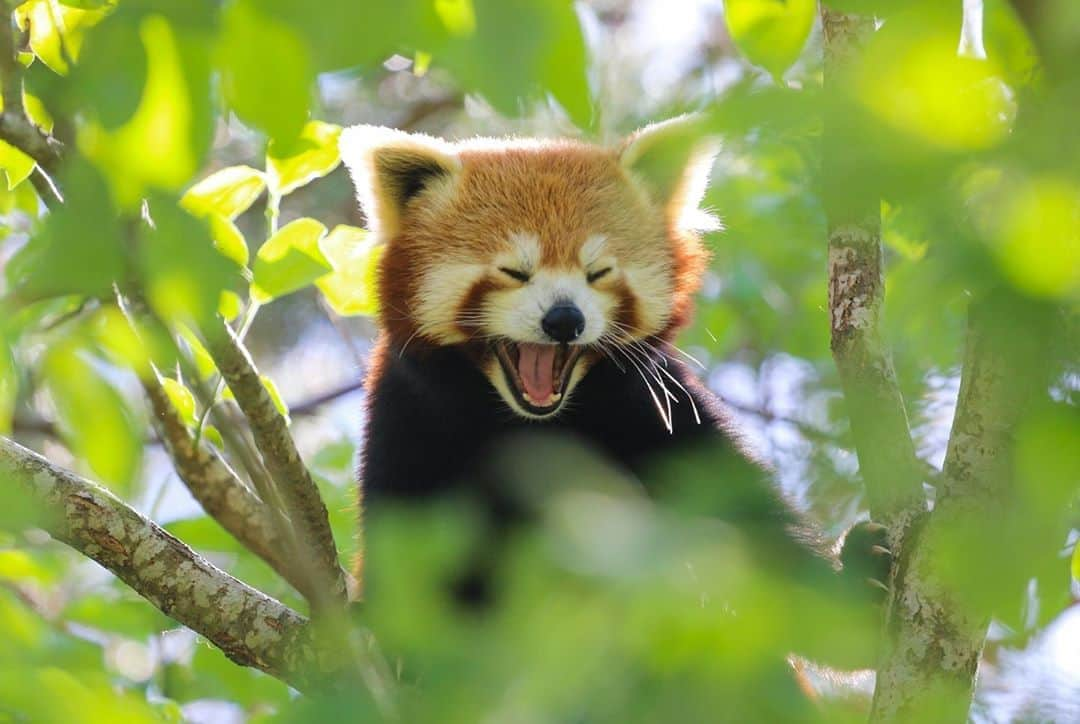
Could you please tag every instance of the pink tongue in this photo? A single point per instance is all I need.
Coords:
(535, 365)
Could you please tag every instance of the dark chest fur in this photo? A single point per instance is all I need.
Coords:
(434, 424)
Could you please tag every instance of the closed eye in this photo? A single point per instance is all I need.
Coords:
(518, 274)
(598, 274)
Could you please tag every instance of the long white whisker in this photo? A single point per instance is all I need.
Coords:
(652, 393)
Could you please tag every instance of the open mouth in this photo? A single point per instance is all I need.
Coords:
(537, 373)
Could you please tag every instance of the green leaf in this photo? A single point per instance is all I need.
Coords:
(85, 4)
(181, 398)
(16, 164)
(94, 419)
(230, 305)
(313, 156)
(770, 33)
(184, 274)
(265, 71)
(56, 29)
(9, 386)
(79, 250)
(517, 49)
(275, 395)
(17, 566)
(226, 193)
(113, 333)
(290, 260)
(228, 239)
(37, 112)
(157, 147)
(204, 363)
(351, 288)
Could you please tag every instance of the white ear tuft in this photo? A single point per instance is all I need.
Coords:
(391, 167)
(673, 160)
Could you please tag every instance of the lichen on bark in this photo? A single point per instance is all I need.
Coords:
(251, 628)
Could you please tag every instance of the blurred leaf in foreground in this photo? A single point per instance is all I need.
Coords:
(770, 33)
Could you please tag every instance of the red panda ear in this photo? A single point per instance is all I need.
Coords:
(390, 167)
(672, 160)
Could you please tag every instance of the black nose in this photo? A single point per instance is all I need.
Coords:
(564, 322)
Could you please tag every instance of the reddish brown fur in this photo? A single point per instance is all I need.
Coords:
(562, 192)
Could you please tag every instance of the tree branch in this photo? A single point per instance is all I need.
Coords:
(879, 423)
(251, 628)
(16, 128)
(939, 637)
(305, 506)
(219, 490)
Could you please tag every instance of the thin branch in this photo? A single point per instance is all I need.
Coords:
(310, 405)
(251, 628)
(15, 127)
(293, 480)
(10, 69)
(879, 424)
(218, 489)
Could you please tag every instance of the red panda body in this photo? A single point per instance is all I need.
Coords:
(533, 288)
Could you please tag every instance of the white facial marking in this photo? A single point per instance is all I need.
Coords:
(517, 314)
(443, 288)
(592, 249)
(526, 250)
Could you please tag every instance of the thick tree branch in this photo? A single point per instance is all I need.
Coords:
(293, 481)
(251, 628)
(220, 491)
(938, 636)
(879, 423)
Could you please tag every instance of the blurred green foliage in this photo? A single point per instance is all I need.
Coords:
(616, 609)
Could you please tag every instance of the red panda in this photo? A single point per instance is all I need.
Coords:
(537, 285)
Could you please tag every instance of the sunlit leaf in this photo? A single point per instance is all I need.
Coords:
(266, 71)
(155, 147)
(86, 4)
(351, 288)
(16, 164)
(275, 395)
(1075, 563)
(226, 193)
(290, 260)
(458, 16)
(17, 566)
(181, 398)
(925, 90)
(94, 418)
(770, 33)
(56, 29)
(230, 305)
(228, 239)
(183, 271)
(9, 386)
(113, 332)
(204, 363)
(1038, 227)
(37, 112)
(312, 156)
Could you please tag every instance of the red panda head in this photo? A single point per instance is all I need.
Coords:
(535, 257)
